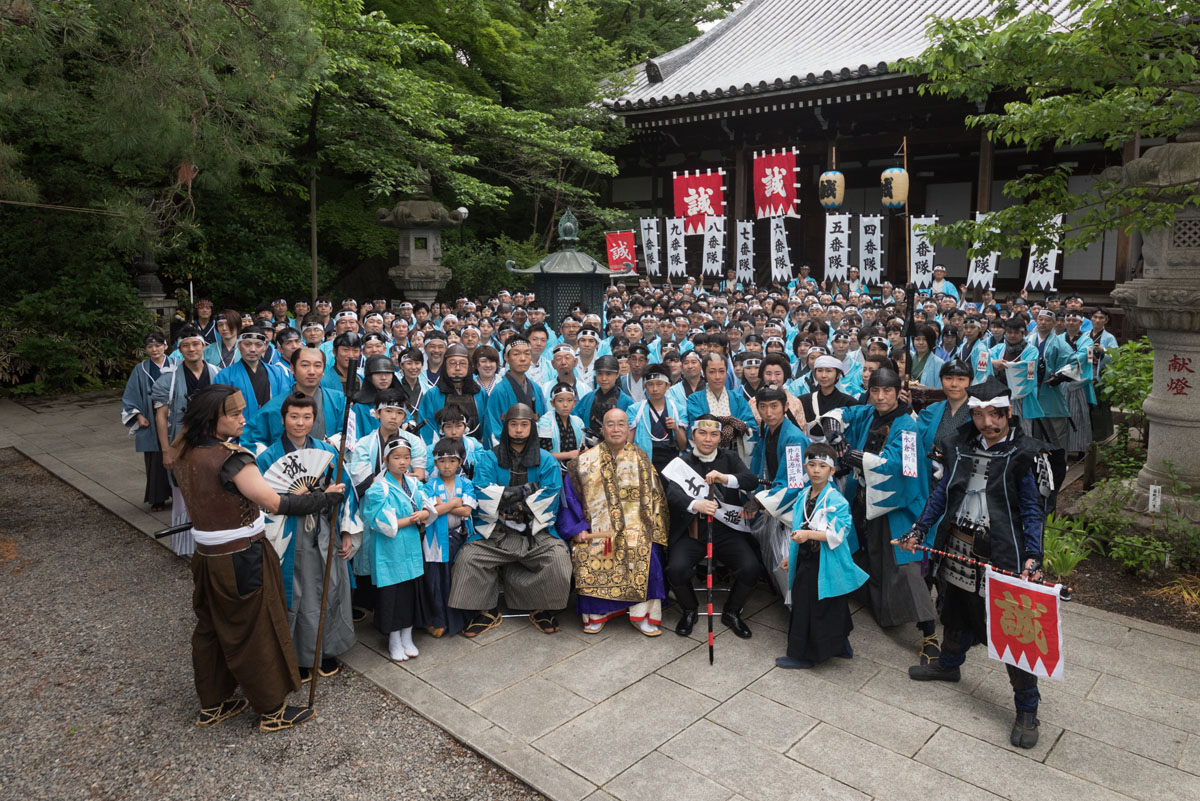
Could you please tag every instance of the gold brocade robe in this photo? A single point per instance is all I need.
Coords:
(625, 505)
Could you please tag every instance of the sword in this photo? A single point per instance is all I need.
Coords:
(1066, 593)
(167, 532)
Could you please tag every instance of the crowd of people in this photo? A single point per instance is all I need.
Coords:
(816, 438)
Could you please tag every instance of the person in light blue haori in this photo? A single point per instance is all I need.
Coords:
(821, 570)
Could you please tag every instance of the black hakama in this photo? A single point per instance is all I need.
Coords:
(818, 628)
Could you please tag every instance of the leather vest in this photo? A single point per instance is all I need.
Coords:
(210, 505)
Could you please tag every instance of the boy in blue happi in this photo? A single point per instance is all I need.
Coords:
(454, 503)
(1104, 344)
(453, 427)
(559, 430)
(659, 423)
(258, 381)
(302, 543)
(880, 443)
(366, 460)
(821, 570)
(396, 511)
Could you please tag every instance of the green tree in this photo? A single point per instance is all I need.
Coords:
(1103, 71)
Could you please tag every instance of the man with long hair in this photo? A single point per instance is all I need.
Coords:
(241, 636)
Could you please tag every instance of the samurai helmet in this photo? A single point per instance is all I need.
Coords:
(520, 411)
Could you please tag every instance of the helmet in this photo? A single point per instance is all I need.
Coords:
(520, 411)
(379, 364)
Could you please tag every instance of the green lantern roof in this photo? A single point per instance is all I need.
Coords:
(567, 260)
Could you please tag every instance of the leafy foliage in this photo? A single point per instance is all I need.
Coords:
(1140, 554)
(1129, 377)
(1065, 543)
(1121, 68)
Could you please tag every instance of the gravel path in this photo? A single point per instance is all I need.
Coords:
(96, 682)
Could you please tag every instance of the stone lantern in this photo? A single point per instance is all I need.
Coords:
(1166, 303)
(567, 276)
(419, 274)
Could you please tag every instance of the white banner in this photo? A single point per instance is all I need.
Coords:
(781, 259)
(982, 272)
(1039, 274)
(870, 249)
(921, 255)
(649, 228)
(745, 251)
(731, 516)
(681, 474)
(837, 247)
(676, 250)
(714, 246)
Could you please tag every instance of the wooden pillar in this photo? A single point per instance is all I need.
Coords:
(1124, 266)
(741, 185)
(983, 196)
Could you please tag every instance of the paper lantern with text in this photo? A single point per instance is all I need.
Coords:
(894, 183)
(831, 190)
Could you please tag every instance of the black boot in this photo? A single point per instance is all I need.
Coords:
(687, 622)
(933, 671)
(734, 621)
(1025, 730)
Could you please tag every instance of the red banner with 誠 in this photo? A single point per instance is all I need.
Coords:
(1024, 625)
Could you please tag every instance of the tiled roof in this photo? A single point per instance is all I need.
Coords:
(776, 45)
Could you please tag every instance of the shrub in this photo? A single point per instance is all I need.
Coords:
(1065, 543)
(1140, 554)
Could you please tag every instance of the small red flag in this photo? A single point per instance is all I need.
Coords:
(621, 250)
(1024, 625)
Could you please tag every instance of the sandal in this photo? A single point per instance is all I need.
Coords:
(482, 623)
(546, 622)
(285, 717)
(930, 650)
(435, 631)
(213, 715)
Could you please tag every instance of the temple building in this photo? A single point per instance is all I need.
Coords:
(813, 75)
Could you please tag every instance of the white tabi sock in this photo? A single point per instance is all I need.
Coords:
(396, 647)
(407, 640)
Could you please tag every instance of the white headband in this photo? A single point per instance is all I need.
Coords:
(822, 459)
(831, 362)
(999, 402)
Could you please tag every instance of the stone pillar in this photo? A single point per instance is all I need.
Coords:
(1166, 303)
(150, 291)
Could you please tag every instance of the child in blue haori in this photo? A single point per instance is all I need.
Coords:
(821, 572)
(453, 496)
(396, 511)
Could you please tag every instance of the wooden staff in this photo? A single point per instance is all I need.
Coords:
(1066, 593)
(351, 377)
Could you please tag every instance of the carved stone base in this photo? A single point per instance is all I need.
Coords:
(419, 291)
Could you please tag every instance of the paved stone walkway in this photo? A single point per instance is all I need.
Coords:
(617, 715)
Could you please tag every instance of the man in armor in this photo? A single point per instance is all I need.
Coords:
(242, 636)
(518, 485)
(991, 506)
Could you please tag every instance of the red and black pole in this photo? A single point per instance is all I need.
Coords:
(1066, 593)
